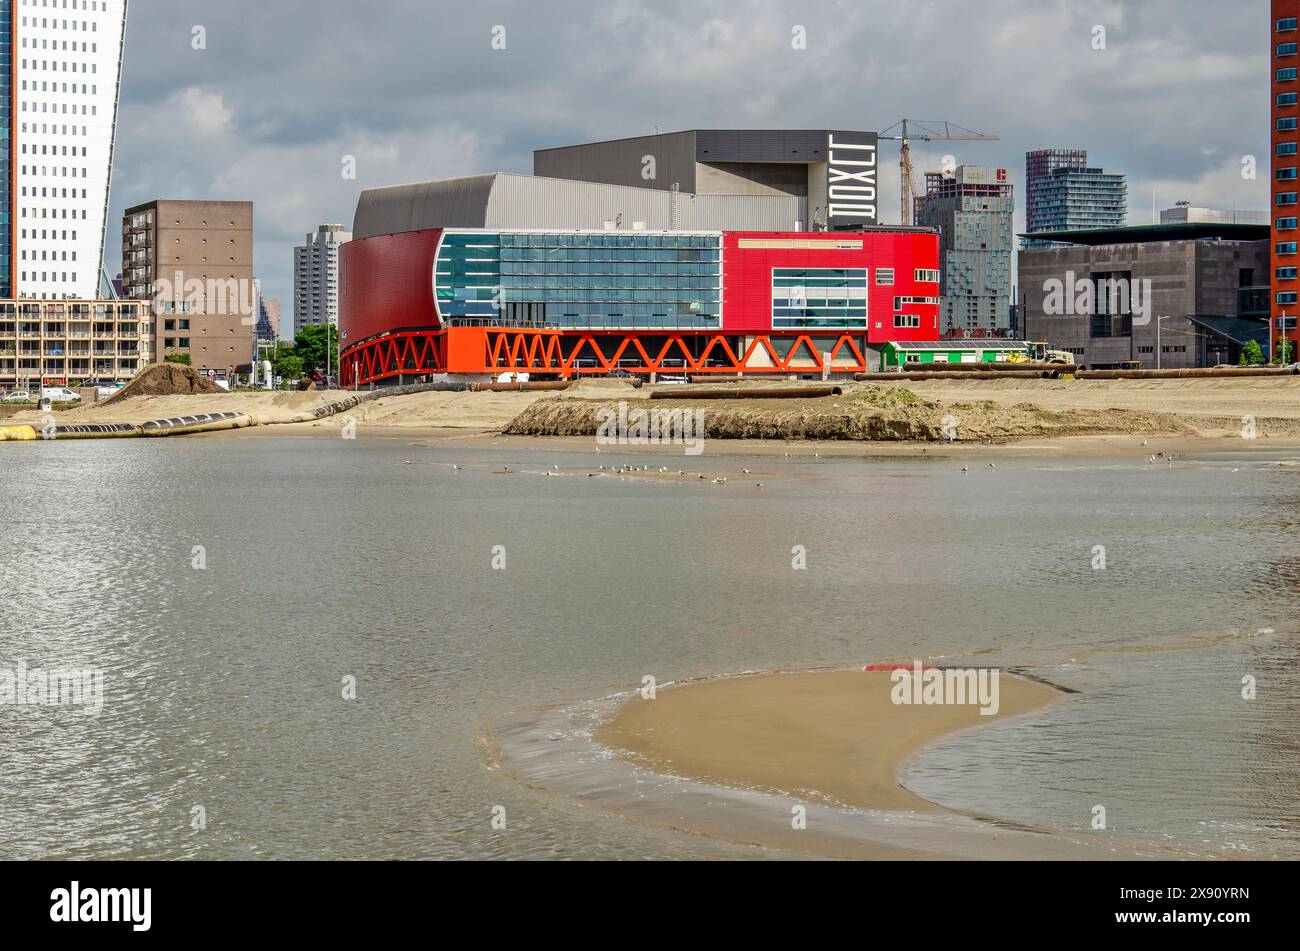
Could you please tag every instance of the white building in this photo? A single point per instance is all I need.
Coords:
(67, 69)
(1184, 213)
(316, 277)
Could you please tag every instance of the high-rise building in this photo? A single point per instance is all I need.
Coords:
(1284, 63)
(316, 277)
(1062, 193)
(194, 259)
(972, 210)
(59, 85)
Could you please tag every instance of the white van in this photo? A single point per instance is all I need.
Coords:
(59, 394)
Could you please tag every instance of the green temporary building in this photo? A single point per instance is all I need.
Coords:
(896, 354)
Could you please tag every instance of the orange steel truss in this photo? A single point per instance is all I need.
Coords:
(487, 350)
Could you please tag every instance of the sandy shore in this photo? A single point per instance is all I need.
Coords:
(1078, 417)
(832, 736)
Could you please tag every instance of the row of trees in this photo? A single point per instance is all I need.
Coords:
(1252, 354)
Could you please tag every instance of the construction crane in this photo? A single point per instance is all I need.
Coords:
(929, 131)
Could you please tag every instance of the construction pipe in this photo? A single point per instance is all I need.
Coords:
(1002, 366)
(1186, 374)
(518, 387)
(947, 375)
(750, 393)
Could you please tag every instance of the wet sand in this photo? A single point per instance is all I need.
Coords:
(834, 737)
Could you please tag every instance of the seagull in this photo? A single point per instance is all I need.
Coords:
(993, 465)
(505, 468)
(1144, 442)
(758, 485)
(745, 471)
(965, 468)
(456, 468)
(555, 468)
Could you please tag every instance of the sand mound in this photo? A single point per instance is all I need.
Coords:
(602, 385)
(165, 379)
(867, 412)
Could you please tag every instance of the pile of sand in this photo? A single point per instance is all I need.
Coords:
(864, 412)
(166, 379)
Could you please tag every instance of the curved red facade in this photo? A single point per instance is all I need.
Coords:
(386, 284)
(393, 329)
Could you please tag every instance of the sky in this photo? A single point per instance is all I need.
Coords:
(274, 101)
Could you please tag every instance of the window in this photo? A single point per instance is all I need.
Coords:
(1287, 297)
(1286, 224)
(1286, 273)
(907, 320)
(1286, 23)
(1285, 198)
(1285, 148)
(1285, 247)
(819, 297)
(925, 276)
(1287, 125)
(1286, 98)
(1286, 49)
(1285, 174)
(1286, 75)
(884, 277)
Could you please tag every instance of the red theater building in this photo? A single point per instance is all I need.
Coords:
(559, 277)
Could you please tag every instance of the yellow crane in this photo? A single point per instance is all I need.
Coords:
(924, 131)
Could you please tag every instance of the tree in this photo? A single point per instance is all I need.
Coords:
(181, 358)
(317, 346)
(286, 362)
(1285, 351)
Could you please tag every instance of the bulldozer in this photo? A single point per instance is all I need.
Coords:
(1039, 351)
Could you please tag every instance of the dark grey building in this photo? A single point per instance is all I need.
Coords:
(1173, 296)
(833, 174)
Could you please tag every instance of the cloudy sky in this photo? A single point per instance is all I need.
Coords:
(286, 90)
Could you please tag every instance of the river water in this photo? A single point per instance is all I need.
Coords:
(225, 733)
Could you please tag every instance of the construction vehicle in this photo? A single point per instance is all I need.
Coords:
(1039, 351)
(930, 131)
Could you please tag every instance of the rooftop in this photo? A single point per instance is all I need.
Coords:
(1142, 234)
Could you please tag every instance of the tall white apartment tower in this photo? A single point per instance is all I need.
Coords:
(65, 74)
(316, 277)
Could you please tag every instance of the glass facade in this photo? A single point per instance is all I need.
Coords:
(581, 280)
(819, 297)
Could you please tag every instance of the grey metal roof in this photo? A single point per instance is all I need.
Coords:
(503, 200)
(964, 343)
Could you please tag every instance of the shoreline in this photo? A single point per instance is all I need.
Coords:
(558, 751)
(833, 736)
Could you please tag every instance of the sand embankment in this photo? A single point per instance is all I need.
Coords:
(978, 411)
(866, 411)
(827, 736)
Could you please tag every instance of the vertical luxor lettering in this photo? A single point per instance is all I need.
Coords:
(850, 179)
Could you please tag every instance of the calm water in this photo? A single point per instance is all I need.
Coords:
(329, 559)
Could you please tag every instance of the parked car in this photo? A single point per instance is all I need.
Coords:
(17, 396)
(59, 394)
